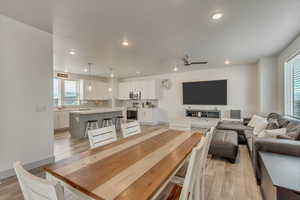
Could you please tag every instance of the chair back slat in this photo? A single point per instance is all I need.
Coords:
(193, 186)
(200, 181)
(35, 188)
(187, 192)
(131, 128)
(102, 136)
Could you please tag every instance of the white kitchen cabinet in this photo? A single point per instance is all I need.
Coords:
(99, 90)
(149, 89)
(61, 119)
(148, 116)
(124, 89)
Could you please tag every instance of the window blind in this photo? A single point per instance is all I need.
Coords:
(296, 86)
(71, 92)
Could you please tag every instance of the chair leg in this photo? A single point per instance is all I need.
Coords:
(86, 130)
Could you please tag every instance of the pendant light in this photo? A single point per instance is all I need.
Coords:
(112, 72)
(90, 77)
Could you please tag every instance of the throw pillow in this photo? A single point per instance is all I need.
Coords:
(272, 133)
(283, 123)
(272, 124)
(292, 133)
(261, 125)
(254, 120)
(273, 116)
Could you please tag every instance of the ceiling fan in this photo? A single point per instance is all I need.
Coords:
(187, 62)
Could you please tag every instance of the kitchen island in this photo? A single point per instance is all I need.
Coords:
(79, 118)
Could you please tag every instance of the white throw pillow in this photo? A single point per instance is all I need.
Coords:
(254, 120)
(272, 133)
(261, 124)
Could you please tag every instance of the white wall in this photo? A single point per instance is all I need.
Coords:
(267, 79)
(242, 90)
(290, 51)
(26, 129)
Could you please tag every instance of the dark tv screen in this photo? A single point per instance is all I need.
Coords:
(205, 93)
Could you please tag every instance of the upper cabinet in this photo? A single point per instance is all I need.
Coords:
(97, 91)
(124, 90)
(149, 89)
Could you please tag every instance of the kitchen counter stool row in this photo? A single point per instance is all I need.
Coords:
(109, 121)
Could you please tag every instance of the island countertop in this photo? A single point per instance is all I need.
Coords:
(80, 118)
(98, 110)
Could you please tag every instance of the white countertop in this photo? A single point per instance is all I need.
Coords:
(98, 110)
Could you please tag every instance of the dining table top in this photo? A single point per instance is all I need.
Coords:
(133, 168)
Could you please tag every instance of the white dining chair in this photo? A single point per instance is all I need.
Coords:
(202, 166)
(102, 136)
(35, 188)
(193, 184)
(131, 128)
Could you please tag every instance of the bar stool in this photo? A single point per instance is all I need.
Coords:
(118, 121)
(91, 125)
(107, 122)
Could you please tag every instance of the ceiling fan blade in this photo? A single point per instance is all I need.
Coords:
(186, 61)
(199, 63)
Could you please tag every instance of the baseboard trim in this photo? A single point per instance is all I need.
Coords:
(11, 172)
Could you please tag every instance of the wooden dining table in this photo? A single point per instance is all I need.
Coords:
(135, 168)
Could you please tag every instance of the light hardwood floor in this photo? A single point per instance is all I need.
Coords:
(224, 180)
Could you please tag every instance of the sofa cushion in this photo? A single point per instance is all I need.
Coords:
(232, 125)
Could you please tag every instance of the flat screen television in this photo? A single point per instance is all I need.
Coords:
(205, 93)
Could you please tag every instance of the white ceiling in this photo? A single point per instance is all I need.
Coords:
(160, 32)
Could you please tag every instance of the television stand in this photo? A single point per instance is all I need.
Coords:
(204, 114)
(203, 118)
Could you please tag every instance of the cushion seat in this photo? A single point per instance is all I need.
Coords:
(225, 144)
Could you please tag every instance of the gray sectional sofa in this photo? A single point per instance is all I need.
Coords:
(288, 144)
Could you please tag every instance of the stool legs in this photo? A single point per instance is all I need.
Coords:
(90, 126)
(107, 122)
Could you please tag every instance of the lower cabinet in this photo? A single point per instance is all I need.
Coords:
(148, 116)
(61, 120)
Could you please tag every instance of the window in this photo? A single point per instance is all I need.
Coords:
(66, 92)
(56, 92)
(71, 92)
(292, 87)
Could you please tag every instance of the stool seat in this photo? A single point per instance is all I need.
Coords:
(92, 121)
(109, 118)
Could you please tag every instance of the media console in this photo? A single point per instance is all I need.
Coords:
(213, 114)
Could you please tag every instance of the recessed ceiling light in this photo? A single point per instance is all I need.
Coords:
(72, 52)
(227, 62)
(112, 75)
(110, 89)
(217, 16)
(86, 69)
(125, 43)
(175, 69)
